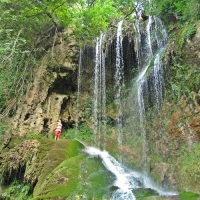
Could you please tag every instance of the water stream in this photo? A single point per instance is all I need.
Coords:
(119, 79)
(99, 99)
(149, 52)
(79, 88)
(126, 180)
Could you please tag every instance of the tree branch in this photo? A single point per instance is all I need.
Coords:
(52, 19)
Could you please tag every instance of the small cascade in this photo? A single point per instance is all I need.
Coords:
(122, 182)
(140, 84)
(126, 180)
(149, 42)
(142, 118)
(99, 112)
(119, 79)
(158, 81)
(160, 33)
(78, 88)
(147, 92)
(149, 51)
(138, 40)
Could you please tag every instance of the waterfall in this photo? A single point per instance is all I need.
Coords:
(139, 84)
(99, 91)
(78, 88)
(126, 180)
(119, 79)
(149, 52)
(158, 81)
(146, 92)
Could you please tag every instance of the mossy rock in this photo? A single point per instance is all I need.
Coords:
(76, 177)
(68, 173)
(141, 193)
(189, 196)
(59, 152)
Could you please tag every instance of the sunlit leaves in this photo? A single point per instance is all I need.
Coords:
(96, 18)
(179, 9)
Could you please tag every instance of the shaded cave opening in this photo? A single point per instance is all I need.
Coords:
(64, 84)
(67, 121)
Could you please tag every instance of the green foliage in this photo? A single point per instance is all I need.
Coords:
(96, 18)
(180, 75)
(171, 10)
(83, 133)
(188, 32)
(2, 130)
(16, 190)
(189, 164)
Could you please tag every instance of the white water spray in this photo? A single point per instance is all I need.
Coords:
(119, 79)
(79, 88)
(99, 90)
(126, 180)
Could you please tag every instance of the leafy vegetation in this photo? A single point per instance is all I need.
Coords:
(16, 190)
(188, 32)
(2, 130)
(82, 133)
(180, 75)
(176, 10)
(189, 166)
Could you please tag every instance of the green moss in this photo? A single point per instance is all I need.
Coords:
(58, 151)
(142, 193)
(94, 182)
(189, 196)
(75, 176)
(62, 180)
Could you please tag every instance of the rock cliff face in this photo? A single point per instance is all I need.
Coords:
(52, 94)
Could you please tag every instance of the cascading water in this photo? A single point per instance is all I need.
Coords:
(152, 48)
(158, 81)
(126, 180)
(99, 91)
(119, 79)
(78, 88)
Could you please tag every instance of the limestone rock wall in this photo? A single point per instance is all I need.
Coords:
(52, 91)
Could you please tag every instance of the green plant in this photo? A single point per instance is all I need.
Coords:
(81, 133)
(189, 165)
(180, 75)
(176, 10)
(16, 190)
(2, 130)
(188, 32)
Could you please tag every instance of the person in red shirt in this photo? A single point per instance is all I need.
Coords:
(58, 130)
